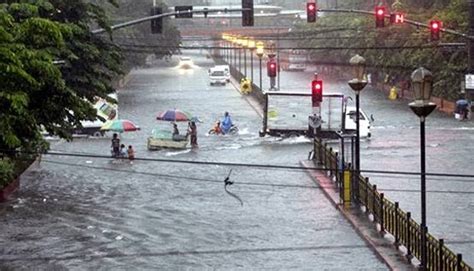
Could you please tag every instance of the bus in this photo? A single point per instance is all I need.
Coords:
(106, 111)
(293, 60)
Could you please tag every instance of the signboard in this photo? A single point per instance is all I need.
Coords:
(469, 81)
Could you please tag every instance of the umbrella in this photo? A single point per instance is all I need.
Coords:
(174, 115)
(462, 102)
(119, 126)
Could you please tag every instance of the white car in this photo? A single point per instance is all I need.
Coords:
(217, 77)
(185, 62)
(364, 121)
(226, 70)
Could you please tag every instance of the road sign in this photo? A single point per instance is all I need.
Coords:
(469, 80)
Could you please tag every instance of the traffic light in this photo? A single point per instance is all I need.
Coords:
(272, 68)
(311, 12)
(316, 92)
(379, 16)
(247, 15)
(397, 18)
(156, 24)
(180, 9)
(435, 27)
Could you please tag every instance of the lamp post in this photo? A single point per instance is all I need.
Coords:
(251, 45)
(422, 81)
(260, 51)
(357, 84)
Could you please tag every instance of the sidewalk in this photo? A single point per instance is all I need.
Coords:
(382, 247)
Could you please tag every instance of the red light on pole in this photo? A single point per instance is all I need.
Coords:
(435, 28)
(316, 92)
(379, 16)
(311, 12)
(271, 68)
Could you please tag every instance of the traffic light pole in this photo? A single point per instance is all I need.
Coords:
(169, 14)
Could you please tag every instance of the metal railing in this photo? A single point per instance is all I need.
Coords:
(390, 218)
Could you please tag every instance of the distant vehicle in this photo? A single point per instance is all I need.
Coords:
(293, 60)
(185, 62)
(217, 76)
(105, 112)
(364, 121)
(226, 70)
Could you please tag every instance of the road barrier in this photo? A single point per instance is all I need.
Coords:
(387, 214)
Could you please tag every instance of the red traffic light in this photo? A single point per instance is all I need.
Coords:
(311, 12)
(316, 92)
(271, 68)
(435, 27)
(379, 16)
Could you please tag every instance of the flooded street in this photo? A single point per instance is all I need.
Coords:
(95, 213)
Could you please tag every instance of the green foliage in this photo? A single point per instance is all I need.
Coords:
(6, 172)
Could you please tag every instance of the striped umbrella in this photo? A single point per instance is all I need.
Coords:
(120, 126)
(174, 115)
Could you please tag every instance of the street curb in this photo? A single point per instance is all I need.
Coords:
(382, 248)
(248, 98)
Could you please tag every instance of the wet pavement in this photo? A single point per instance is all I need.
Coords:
(96, 213)
(395, 146)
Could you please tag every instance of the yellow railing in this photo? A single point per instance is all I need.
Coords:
(393, 220)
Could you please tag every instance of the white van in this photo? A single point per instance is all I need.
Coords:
(364, 121)
(217, 76)
(226, 70)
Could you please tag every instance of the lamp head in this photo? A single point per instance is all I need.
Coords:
(358, 64)
(422, 83)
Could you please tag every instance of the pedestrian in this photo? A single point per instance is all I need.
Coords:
(131, 154)
(115, 145)
(175, 129)
(193, 133)
(122, 151)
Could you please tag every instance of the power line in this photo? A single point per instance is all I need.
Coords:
(241, 164)
(169, 176)
(415, 47)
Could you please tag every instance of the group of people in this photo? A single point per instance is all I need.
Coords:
(224, 126)
(119, 150)
(192, 132)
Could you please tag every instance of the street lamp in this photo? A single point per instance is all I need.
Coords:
(251, 45)
(357, 84)
(260, 51)
(422, 82)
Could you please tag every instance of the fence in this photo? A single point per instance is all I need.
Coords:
(390, 218)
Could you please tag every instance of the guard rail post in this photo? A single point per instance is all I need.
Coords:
(366, 195)
(382, 228)
(440, 252)
(347, 189)
(408, 237)
(458, 262)
(397, 225)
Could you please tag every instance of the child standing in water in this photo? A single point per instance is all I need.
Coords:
(131, 154)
